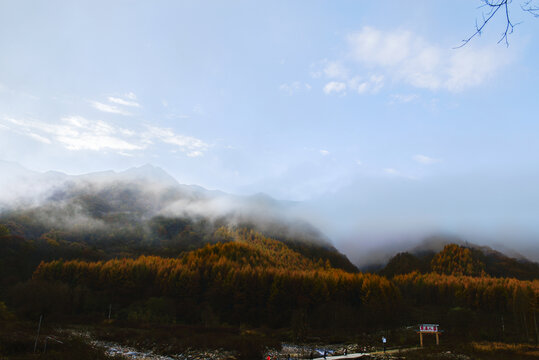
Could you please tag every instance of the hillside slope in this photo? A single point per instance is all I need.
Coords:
(145, 211)
(468, 260)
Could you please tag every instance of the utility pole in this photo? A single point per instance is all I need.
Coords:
(110, 310)
(38, 330)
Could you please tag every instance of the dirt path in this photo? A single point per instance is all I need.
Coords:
(360, 355)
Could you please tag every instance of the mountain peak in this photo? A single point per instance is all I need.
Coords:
(151, 173)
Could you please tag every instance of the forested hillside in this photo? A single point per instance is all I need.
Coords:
(144, 211)
(244, 277)
(462, 260)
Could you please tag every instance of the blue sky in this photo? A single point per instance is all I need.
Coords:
(303, 100)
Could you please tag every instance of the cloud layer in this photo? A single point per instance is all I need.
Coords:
(375, 58)
(426, 160)
(77, 133)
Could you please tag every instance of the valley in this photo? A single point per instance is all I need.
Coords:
(107, 258)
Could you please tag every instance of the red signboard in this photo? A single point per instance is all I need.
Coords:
(428, 327)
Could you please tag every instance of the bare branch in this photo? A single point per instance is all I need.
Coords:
(493, 7)
(531, 7)
(509, 27)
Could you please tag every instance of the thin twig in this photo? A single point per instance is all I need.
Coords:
(493, 7)
(531, 7)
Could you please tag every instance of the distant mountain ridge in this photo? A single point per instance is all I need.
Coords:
(461, 258)
(145, 206)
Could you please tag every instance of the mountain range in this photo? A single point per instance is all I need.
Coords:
(145, 208)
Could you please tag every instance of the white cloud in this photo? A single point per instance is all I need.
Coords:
(359, 162)
(411, 59)
(391, 171)
(78, 133)
(375, 47)
(75, 133)
(470, 68)
(123, 102)
(335, 87)
(335, 70)
(362, 85)
(403, 98)
(116, 104)
(195, 153)
(113, 109)
(192, 146)
(426, 160)
(371, 84)
(406, 57)
(39, 138)
(324, 152)
(131, 96)
(88, 141)
(125, 154)
(294, 87)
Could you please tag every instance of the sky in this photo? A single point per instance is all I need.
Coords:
(367, 111)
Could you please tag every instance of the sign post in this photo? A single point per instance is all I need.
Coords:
(429, 329)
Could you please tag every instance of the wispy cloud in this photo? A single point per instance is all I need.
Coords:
(123, 102)
(117, 104)
(324, 152)
(391, 171)
(75, 133)
(360, 85)
(377, 57)
(39, 138)
(397, 173)
(130, 96)
(335, 70)
(426, 160)
(336, 87)
(403, 98)
(112, 109)
(371, 84)
(294, 87)
(191, 146)
(406, 57)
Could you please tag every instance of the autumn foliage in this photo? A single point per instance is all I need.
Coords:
(242, 277)
(253, 279)
(457, 260)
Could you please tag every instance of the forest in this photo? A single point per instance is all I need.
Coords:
(244, 279)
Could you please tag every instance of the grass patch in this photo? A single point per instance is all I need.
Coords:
(476, 351)
(17, 341)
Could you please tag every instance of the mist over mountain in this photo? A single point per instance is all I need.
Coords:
(127, 203)
(373, 217)
(459, 258)
(140, 192)
(145, 205)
